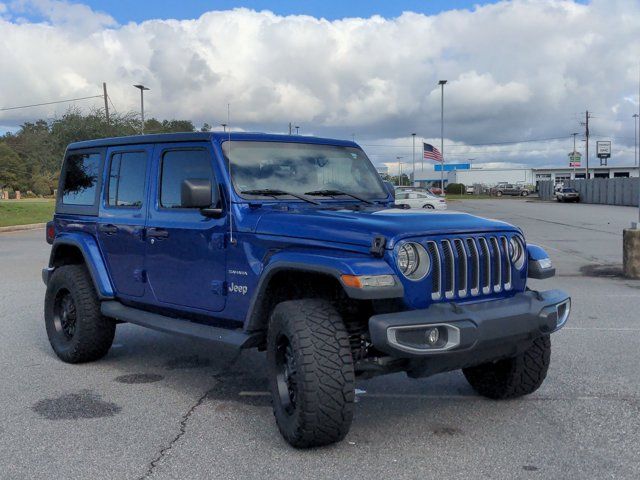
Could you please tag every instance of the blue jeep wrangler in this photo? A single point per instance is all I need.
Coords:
(292, 245)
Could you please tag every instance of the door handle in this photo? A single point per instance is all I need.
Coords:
(108, 228)
(158, 233)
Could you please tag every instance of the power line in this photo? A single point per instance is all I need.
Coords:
(4, 109)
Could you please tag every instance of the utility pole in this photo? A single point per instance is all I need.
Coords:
(297, 129)
(290, 128)
(413, 179)
(106, 101)
(442, 84)
(586, 136)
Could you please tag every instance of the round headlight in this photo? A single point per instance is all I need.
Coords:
(516, 252)
(413, 261)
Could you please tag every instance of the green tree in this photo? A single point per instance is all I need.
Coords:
(12, 173)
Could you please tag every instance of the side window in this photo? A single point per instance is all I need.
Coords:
(413, 196)
(127, 174)
(401, 196)
(81, 174)
(177, 166)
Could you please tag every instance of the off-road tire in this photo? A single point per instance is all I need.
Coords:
(324, 376)
(512, 377)
(92, 333)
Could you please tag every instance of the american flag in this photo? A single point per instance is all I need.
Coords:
(431, 152)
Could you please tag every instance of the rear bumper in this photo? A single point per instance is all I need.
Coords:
(465, 329)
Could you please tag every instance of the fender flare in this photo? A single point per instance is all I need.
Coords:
(93, 259)
(333, 266)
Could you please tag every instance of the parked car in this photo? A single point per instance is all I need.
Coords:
(420, 200)
(291, 245)
(510, 189)
(567, 195)
(470, 189)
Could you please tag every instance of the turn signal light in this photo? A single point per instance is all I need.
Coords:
(368, 281)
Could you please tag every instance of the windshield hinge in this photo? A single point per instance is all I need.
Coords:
(377, 246)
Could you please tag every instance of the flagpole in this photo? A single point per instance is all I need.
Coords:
(442, 83)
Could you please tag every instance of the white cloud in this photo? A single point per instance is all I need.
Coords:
(521, 69)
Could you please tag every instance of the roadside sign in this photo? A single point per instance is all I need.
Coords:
(574, 159)
(603, 149)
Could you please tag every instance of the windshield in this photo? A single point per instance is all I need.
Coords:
(301, 168)
(568, 190)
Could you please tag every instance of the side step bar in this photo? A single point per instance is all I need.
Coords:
(234, 339)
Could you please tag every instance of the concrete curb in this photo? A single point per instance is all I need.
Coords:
(18, 228)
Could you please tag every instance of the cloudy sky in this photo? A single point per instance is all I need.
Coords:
(521, 71)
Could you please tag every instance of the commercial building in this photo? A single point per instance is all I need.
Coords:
(467, 174)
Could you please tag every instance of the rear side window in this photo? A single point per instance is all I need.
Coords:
(127, 174)
(177, 166)
(81, 176)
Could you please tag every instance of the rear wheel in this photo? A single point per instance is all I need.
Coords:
(498, 193)
(525, 193)
(311, 374)
(512, 377)
(75, 326)
(428, 206)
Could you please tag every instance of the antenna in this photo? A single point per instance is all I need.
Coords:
(232, 241)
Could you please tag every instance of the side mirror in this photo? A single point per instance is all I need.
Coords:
(198, 193)
(195, 193)
(391, 189)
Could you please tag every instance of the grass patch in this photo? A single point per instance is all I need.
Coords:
(24, 212)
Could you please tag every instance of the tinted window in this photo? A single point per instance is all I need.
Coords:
(126, 179)
(302, 168)
(80, 179)
(178, 165)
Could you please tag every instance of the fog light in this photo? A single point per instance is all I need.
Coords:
(433, 335)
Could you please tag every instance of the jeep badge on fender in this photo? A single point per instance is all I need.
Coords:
(292, 245)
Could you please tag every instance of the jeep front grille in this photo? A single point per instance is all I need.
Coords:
(469, 266)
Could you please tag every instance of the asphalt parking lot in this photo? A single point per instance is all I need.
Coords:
(164, 407)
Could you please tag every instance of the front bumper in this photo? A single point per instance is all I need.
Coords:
(466, 328)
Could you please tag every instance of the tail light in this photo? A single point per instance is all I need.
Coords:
(50, 232)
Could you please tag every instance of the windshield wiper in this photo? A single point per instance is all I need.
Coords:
(276, 193)
(333, 193)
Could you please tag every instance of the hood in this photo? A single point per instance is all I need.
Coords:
(359, 227)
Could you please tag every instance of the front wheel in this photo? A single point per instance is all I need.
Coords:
(75, 326)
(525, 193)
(311, 375)
(498, 193)
(512, 377)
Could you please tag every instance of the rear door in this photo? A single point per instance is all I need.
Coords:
(123, 210)
(185, 257)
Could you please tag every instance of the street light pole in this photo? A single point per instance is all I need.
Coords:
(635, 133)
(142, 88)
(413, 179)
(442, 83)
(400, 182)
(572, 158)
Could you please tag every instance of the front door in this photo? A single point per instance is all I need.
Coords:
(185, 258)
(123, 210)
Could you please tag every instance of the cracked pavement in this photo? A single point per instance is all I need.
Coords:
(162, 407)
